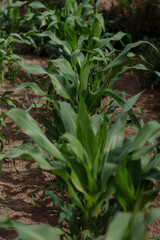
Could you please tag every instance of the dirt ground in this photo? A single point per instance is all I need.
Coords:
(107, 3)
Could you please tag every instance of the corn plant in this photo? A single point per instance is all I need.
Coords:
(96, 63)
(91, 76)
(7, 58)
(10, 18)
(89, 64)
(29, 232)
(95, 163)
(132, 227)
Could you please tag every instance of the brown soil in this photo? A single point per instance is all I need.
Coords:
(107, 3)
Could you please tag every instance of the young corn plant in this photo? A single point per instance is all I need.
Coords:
(130, 228)
(7, 58)
(10, 18)
(89, 65)
(92, 65)
(93, 76)
(103, 173)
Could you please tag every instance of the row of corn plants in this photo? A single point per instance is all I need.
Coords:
(109, 178)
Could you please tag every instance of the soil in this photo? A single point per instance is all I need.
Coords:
(107, 3)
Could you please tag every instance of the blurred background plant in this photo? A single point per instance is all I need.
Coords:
(153, 57)
(141, 19)
(138, 17)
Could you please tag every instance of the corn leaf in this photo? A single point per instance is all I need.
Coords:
(37, 5)
(41, 232)
(124, 53)
(34, 86)
(116, 133)
(32, 68)
(68, 117)
(61, 86)
(33, 130)
(85, 133)
(65, 68)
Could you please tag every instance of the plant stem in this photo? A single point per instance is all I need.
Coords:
(2, 74)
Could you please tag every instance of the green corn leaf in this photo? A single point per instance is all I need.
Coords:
(97, 3)
(34, 86)
(94, 99)
(81, 27)
(61, 86)
(132, 227)
(71, 36)
(25, 232)
(84, 74)
(41, 232)
(75, 198)
(78, 177)
(18, 4)
(109, 169)
(119, 225)
(150, 195)
(85, 133)
(54, 40)
(96, 121)
(37, 5)
(124, 53)
(137, 229)
(124, 189)
(65, 69)
(58, 202)
(152, 163)
(149, 130)
(32, 68)
(30, 152)
(32, 129)
(3, 3)
(48, 34)
(116, 133)
(143, 152)
(96, 28)
(153, 215)
(76, 146)
(101, 140)
(16, 35)
(68, 117)
(101, 43)
(144, 68)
